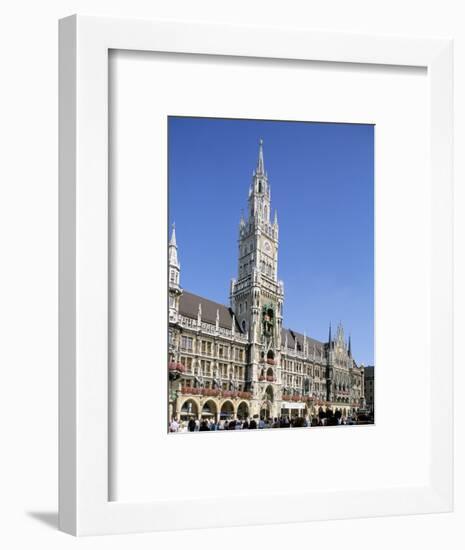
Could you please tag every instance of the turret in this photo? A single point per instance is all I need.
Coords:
(174, 272)
(174, 266)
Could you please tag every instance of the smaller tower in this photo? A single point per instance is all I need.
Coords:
(330, 367)
(174, 271)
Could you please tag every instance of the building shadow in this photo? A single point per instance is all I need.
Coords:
(47, 518)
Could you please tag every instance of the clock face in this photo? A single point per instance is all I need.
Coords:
(267, 247)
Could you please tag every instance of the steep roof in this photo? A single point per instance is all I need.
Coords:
(189, 307)
(292, 336)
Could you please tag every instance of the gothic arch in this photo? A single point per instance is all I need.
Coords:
(243, 410)
(269, 394)
(209, 409)
(190, 407)
(227, 410)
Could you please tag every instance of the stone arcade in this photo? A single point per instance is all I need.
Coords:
(240, 361)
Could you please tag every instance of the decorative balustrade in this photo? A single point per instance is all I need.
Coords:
(288, 397)
(208, 328)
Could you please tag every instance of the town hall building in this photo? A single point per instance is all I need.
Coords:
(239, 360)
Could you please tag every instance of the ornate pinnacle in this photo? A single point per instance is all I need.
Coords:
(261, 164)
(173, 235)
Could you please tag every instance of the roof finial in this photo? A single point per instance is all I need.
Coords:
(173, 250)
(261, 164)
(173, 235)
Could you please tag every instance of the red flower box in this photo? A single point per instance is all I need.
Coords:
(176, 367)
(210, 392)
(244, 394)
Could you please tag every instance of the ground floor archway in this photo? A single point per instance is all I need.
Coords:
(189, 409)
(265, 410)
(243, 411)
(227, 411)
(209, 411)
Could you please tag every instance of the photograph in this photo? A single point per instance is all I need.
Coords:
(270, 274)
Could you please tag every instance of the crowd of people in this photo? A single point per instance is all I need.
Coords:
(261, 423)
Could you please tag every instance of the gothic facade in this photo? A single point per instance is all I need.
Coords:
(240, 361)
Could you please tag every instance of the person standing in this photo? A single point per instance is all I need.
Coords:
(174, 426)
(204, 426)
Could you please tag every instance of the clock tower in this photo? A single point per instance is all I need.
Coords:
(257, 295)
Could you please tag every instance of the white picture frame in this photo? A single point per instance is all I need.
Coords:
(85, 42)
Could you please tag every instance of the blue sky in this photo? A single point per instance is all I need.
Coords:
(322, 184)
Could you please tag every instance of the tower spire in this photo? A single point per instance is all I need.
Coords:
(329, 336)
(174, 271)
(173, 235)
(350, 346)
(261, 163)
(173, 249)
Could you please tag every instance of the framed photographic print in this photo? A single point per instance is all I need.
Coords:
(253, 222)
(238, 366)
